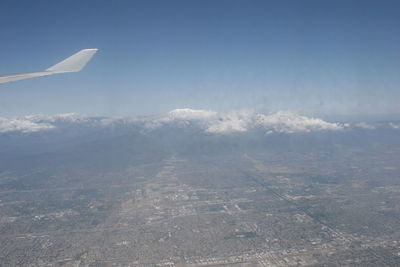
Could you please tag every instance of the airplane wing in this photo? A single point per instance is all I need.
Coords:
(74, 63)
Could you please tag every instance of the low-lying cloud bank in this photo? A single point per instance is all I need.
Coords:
(243, 121)
(22, 125)
(208, 121)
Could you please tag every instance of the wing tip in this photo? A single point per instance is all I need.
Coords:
(90, 49)
(74, 63)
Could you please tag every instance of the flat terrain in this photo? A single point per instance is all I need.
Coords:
(244, 206)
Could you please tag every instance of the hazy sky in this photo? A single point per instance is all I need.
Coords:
(308, 56)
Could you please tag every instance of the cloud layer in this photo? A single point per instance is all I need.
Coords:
(208, 121)
(22, 125)
(243, 121)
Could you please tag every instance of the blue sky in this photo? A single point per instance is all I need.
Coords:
(315, 57)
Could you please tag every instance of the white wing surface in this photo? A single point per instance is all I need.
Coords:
(74, 63)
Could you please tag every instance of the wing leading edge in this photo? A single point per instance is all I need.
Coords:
(74, 63)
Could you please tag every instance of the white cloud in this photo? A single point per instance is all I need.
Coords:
(22, 125)
(231, 122)
(289, 122)
(35, 123)
(242, 121)
(364, 125)
(66, 117)
(279, 122)
(182, 117)
(207, 120)
(191, 114)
